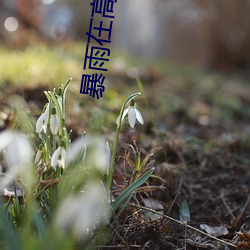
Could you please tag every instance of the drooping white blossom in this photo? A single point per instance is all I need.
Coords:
(98, 152)
(39, 155)
(79, 214)
(133, 114)
(54, 121)
(17, 151)
(59, 157)
(42, 121)
(59, 99)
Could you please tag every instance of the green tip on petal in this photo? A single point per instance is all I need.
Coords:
(62, 143)
(53, 111)
(45, 106)
(132, 103)
(59, 91)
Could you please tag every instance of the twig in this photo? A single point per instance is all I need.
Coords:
(185, 242)
(184, 224)
(227, 207)
(175, 198)
(116, 246)
(239, 217)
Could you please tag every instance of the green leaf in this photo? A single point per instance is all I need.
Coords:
(39, 222)
(129, 190)
(185, 212)
(10, 236)
(122, 209)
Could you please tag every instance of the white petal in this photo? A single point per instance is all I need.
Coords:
(55, 156)
(39, 123)
(59, 99)
(77, 148)
(46, 113)
(132, 117)
(44, 127)
(19, 151)
(38, 156)
(139, 116)
(54, 124)
(125, 112)
(117, 120)
(19, 158)
(5, 139)
(61, 163)
(78, 214)
(63, 158)
(101, 155)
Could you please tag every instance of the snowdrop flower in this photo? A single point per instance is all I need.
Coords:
(54, 121)
(39, 154)
(59, 99)
(42, 122)
(98, 152)
(59, 157)
(133, 114)
(17, 152)
(79, 214)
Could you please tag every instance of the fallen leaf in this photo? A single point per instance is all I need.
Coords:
(215, 231)
(153, 204)
(245, 236)
(185, 212)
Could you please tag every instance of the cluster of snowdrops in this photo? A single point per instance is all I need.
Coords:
(66, 186)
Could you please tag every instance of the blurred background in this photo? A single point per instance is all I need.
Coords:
(212, 34)
(193, 60)
(188, 53)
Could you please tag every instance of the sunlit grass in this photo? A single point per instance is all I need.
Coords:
(38, 65)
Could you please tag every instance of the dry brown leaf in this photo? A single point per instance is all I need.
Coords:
(245, 236)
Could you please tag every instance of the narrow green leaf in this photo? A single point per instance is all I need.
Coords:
(39, 222)
(122, 209)
(138, 163)
(128, 191)
(10, 236)
(65, 87)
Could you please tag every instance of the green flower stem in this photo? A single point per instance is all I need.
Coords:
(66, 137)
(65, 87)
(54, 142)
(47, 138)
(61, 112)
(112, 164)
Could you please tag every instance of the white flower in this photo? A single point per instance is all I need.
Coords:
(42, 122)
(59, 99)
(17, 152)
(133, 114)
(59, 157)
(54, 121)
(79, 214)
(39, 155)
(98, 152)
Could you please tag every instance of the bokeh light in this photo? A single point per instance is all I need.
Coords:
(48, 2)
(11, 24)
